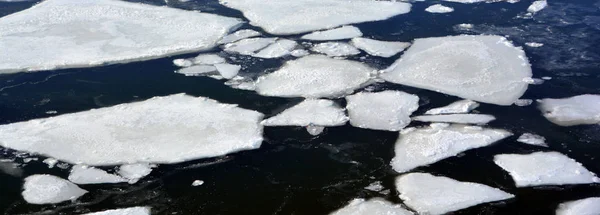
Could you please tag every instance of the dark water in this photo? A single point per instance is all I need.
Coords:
(294, 173)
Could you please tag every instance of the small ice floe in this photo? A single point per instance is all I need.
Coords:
(375, 187)
(533, 81)
(438, 8)
(124, 211)
(532, 139)
(374, 206)
(462, 106)
(318, 112)
(51, 112)
(536, 6)
(49, 189)
(544, 168)
(588, 206)
(280, 48)
(379, 48)
(299, 53)
(534, 44)
(546, 78)
(341, 33)
(183, 62)
(314, 76)
(239, 35)
(10, 168)
(81, 174)
(248, 46)
(387, 110)
(336, 49)
(423, 146)
(523, 102)
(228, 71)
(465, 26)
(428, 194)
(315, 129)
(286, 17)
(134, 172)
(577, 110)
(50, 162)
(208, 59)
(478, 119)
(482, 68)
(196, 183)
(198, 70)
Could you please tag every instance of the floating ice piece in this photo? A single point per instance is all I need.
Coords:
(183, 62)
(428, 194)
(249, 46)
(438, 8)
(375, 186)
(379, 48)
(315, 76)
(278, 49)
(423, 146)
(197, 70)
(534, 44)
(300, 16)
(208, 59)
(124, 211)
(319, 112)
(50, 162)
(536, 6)
(190, 128)
(577, 110)
(239, 35)
(228, 71)
(69, 34)
(588, 206)
(49, 189)
(523, 102)
(344, 32)
(134, 172)
(299, 53)
(457, 118)
(544, 168)
(314, 129)
(387, 110)
(482, 68)
(375, 206)
(336, 49)
(81, 174)
(465, 26)
(196, 183)
(532, 139)
(462, 106)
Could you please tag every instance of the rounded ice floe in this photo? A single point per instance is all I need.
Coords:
(300, 16)
(544, 168)
(438, 8)
(482, 68)
(423, 146)
(336, 49)
(238, 35)
(124, 211)
(208, 59)
(387, 110)
(379, 48)
(375, 206)
(536, 6)
(315, 76)
(280, 48)
(69, 34)
(588, 206)
(135, 172)
(49, 189)
(81, 174)
(318, 112)
(479, 119)
(577, 110)
(532, 139)
(462, 106)
(196, 183)
(168, 129)
(248, 46)
(433, 195)
(344, 32)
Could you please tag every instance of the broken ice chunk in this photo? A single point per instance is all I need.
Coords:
(379, 48)
(534, 44)
(318, 112)
(228, 71)
(462, 106)
(196, 183)
(198, 70)
(374, 206)
(479, 119)
(438, 8)
(81, 174)
(278, 49)
(134, 172)
(248, 46)
(336, 49)
(577, 110)
(536, 6)
(183, 62)
(124, 211)
(532, 139)
(375, 186)
(49, 189)
(299, 53)
(208, 59)
(387, 110)
(315, 129)
(344, 32)
(50, 162)
(523, 102)
(588, 206)
(239, 35)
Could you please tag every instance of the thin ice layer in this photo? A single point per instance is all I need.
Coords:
(438, 8)
(433, 195)
(238, 35)
(375, 206)
(197, 70)
(336, 49)
(280, 48)
(81, 174)
(341, 33)
(248, 46)
(457, 118)
(318, 112)
(379, 48)
(577, 110)
(49, 189)
(588, 206)
(168, 129)
(387, 110)
(423, 146)
(68, 34)
(314, 76)
(544, 168)
(482, 68)
(462, 106)
(300, 16)
(124, 211)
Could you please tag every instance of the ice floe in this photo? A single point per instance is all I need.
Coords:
(523, 102)
(433, 195)
(438, 8)
(532, 139)
(208, 59)
(198, 70)
(280, 48)
(81, 174)
(482, 68)
(134, 172)
(536, 6)
(375, 206)
(588, 206)
(544, 168)
(344, 32)
(379, 48)
(314, 129)
(457, 118)
(300, 16)
(577, 110)
(248, 46)
(239, 35)
(228, 71)
(124, 211)
(375, 186)
(423, 146)
(168, 129)
(67, 34)
(183, 62)
(462, 106)
(49, 189)
(387, 110)
(299, 53)
(336, 49)
(196, 183)
(315, 76)
(319, 112)
(534, 44)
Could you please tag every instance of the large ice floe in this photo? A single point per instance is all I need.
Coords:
(462, 106)
(588, 206)
(300, 16)
(336, 49)
(315, 76)
(49, 189)
(81, 174)
(577, 110)
(168, 129)
(375, 206)
(387, 110)
(457, 118)
(344, 32)
(379, 48)
(310, 112)
(544, 168)
(124, 211)
(422, 146)
(482, 68)
(280, 48)
(67, 34)
(428, 194)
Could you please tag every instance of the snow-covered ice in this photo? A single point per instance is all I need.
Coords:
(588, 206)
(462, 106)
(374, 206)
(280, 48)
(457, 118)
(196, 183)
(532, 139)
(577, 110)
(438, 8)
(81, 174)
(423, 146)
(544, 168)
(183, 62)
(536, 6)
(482, 68)
(379, 48)
(387, 110)
(68, 34)
(134, 172)
(228, 71)
(336, 49)
(49, 189)
(208, 59)
(314, 129)
(299, 53)
(168, 129)
(319, 112)
(239, 35)
(341, 33)
(198, 70)
(433, 195)
(248, 46)
(124, 211)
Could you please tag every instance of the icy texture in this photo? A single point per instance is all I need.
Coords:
(228, 71)
(280, 48)
(314, 129)
(238, 35)
(589, 206)
(532, 139)
(428, 194)
(310, 112)
(344, 32)
(248, 46)
(523, 102)
(427, 145)
(134, 172)
(198, 70)
(387, 110)
(462, 106)
(577, 110)
(67, 34)
(81, 174)
(183, 62)
(336, 49)
(438, 8)
(379, 48)
(314, 76)
(375, 206)
(49, 189)
(208, 59)
(457, 118)
(167, 129)
(544, 168)
(50, 162)
(124, 211)
(300, 16)
(299, 53)
(482, 68)
(536, 6)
